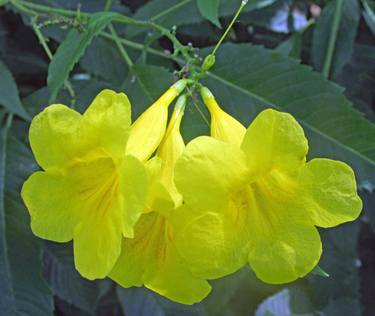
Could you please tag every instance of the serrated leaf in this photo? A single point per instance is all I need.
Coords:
(345, 37)
(72, 49)
(22, 289)
(65, 281)
(247, 79)
(209, 9)
(9, 97)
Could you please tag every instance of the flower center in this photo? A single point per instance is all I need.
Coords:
(97, 184)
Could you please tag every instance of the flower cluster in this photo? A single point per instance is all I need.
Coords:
(143, 209)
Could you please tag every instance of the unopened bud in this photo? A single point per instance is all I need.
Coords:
(209, 61)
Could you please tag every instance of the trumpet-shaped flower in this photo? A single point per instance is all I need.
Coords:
(148, 130)
(223, 126)
(151, 258)
(89, 190)
(259, 202)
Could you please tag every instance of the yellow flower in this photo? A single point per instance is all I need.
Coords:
(89, 191)
(148, 130)
(151, 258)
(223, 126)
(259, 202)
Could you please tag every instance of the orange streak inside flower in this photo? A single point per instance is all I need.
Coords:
(98, 184)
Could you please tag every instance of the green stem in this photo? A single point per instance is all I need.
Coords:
(44, 44)
(108, 5)
(195, 103)
(24, 9)
(333, 37)
(121, 49)
(142, 47)
(119, 18)
(243, 3)
(170, 9)
(41, 38)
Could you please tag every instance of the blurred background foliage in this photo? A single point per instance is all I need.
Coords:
(279, 54)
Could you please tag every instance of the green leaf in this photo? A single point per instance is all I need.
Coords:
(9, 97)
(65, 281)
(369, 14)
(358, 80)
(247, 79)
(6, 294)
(144, 85)
(72, 49)
(103, 60)
(340, 258)
(139, 301)
(345, 38)
(209, 9)
(22, 289)
(343, 306)
(291, 47)
(171, 13)
(367, 195)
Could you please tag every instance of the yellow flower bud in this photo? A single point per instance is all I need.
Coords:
(223, 126)
(171, 149)
(148, 130)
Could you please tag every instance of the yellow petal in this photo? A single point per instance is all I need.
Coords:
(285, 249)
(148, 130)
(330, 192)
(133, 191)
(54, 136)
(97, 238)
(171, 149)
(60, 135)
(159, 199)
(207, 170)
(208, 241)
(97, 244)
(223, 126)
(53, 204)
(151, 259)
(106, 123)
(275, 140)
(284, 244)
